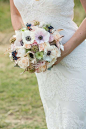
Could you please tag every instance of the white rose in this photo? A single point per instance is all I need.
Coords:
(23, 62)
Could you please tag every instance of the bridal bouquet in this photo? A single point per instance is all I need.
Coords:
(36, 47)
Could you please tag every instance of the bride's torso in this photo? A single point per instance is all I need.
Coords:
(57, 12)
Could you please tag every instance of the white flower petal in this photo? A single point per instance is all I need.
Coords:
(20, 52)
(51, 63)
(47, 58)
(41, 32)
(28, 33)
(23, 62)
(62, 47)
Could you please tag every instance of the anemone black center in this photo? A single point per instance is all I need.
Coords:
(48, 53)
(40, 37)
(31, 55)
(28, 38)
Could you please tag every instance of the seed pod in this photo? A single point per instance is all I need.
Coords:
(31, 68)
(34, 48)
(12, 40)
(36, 23)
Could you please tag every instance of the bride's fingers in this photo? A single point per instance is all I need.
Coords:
(55, 63)
(58, 60)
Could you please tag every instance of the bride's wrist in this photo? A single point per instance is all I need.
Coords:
(66, 50)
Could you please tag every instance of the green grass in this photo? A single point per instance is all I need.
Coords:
(79, 12)
(5, 20)
(20, 103)
(4, 1)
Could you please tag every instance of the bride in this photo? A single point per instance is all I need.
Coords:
(63, 89)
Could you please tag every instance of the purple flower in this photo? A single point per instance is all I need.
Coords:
(41, 36)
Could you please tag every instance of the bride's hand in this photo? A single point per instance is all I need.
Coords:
(63, 53)
(78, 37)
(58, 60)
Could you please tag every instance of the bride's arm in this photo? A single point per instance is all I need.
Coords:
(76, 39)
(15, 17)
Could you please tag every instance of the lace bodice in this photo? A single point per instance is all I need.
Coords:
(57, 12)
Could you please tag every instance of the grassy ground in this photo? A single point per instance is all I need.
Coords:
(20, 103)
(5, 20)
(79, 12)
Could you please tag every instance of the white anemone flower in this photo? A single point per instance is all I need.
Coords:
(41, 36)
(28, 37)
(51, 52)
(18, 38)
(23, 62)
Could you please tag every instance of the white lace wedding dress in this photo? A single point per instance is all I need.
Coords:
(63, 89)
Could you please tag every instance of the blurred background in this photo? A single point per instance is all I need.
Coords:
(20, 103)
